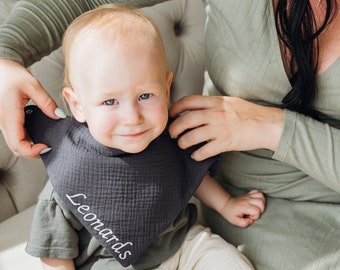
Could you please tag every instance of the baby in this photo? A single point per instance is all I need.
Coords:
(121, 185)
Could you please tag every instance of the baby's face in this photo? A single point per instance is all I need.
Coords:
(123, 96)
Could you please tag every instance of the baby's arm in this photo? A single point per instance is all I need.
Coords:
(57, 264)
(240, 211)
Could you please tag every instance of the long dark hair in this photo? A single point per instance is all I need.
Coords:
(297, 30)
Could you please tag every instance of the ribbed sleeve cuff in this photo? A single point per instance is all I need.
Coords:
(287, 135)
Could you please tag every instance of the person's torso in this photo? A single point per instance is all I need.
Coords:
(244, 60)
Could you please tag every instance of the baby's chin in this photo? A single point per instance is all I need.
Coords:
(134, 149)
(137, 146)
(133, 145)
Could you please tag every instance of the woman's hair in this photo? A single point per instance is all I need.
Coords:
(299, 34)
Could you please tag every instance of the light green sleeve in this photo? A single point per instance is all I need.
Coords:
(311, 146)
(35, 28)
(54, 231)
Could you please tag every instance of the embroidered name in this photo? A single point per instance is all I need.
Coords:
(97, 225)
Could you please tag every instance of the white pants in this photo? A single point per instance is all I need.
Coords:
(204, 250)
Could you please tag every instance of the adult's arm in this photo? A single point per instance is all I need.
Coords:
(234, 124)
(311, 146)
(35, 28)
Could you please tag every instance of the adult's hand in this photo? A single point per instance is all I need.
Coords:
(226, 124)
(17, 87)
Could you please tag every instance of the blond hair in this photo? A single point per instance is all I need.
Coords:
(114, 25)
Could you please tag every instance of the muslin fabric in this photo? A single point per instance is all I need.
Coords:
(124, 200)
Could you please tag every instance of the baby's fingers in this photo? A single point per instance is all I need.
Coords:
(256, 194)
(243, 222)
(253, 212)
(257, 199)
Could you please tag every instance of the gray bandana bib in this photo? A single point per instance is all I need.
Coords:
(124, 200)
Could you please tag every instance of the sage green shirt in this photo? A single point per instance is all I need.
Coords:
(244, 60)
(300, 226)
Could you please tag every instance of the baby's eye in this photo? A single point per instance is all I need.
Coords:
(145, 96)
(110, 102)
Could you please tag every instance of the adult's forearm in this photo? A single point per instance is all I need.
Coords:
(35, 28)
(311, 146)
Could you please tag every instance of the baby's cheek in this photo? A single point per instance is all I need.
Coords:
(162, 118)
(101, 131)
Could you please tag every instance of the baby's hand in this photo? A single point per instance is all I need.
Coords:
(243, 210)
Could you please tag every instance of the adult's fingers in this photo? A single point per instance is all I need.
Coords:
(44, 101)
(17, 139)
(19, 87)
(187, 121)
(189, 103)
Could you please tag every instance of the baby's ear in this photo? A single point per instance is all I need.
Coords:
(169, 77)
(74, 104)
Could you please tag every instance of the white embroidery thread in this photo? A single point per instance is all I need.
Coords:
(97, 224)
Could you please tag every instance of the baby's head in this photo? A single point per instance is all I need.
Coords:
(117, 78)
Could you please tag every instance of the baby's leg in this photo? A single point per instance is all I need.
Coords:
(203, 250)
